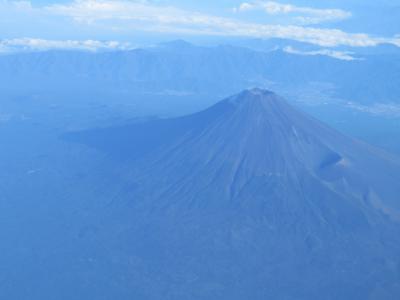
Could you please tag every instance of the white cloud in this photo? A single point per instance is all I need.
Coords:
(380, 109)
(131, 15)
(342, 55)
(125, 17)
(303, 15)
(30, 44)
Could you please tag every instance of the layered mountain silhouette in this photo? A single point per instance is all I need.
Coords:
(251, 199)
(184, 68)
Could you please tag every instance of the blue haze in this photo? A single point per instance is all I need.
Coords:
(199, 167)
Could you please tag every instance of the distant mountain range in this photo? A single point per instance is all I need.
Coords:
(182, 68)
(250, 199)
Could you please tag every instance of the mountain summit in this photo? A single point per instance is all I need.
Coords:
(253, 199)
(256, 139)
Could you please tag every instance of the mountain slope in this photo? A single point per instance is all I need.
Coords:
(251, 199)
(187, 68)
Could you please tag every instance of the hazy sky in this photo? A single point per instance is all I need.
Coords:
(90, 23)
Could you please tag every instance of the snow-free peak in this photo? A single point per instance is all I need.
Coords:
(255, 95)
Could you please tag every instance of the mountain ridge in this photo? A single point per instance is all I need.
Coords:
(236, 198)
(195, 69)
(257, 131)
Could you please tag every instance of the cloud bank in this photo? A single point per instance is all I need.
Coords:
(379, 109)
(31, 44)
(123, 17)
(342, 55)
(303, 15)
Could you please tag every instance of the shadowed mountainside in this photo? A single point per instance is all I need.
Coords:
(251, 199)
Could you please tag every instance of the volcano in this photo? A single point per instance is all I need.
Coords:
(251, 199)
